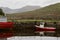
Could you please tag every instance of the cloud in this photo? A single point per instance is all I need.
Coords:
(43, 2)
(14, 4)
(49, 2)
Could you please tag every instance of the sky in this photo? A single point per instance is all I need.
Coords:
(15, 4)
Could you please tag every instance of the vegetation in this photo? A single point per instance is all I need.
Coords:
(1, 12)
(51, 12)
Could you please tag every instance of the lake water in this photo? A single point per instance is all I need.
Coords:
(33, 38)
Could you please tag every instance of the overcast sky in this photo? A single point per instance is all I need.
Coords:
(14, 4)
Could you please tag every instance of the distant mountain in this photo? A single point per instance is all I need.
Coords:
(23, 9)
(51, 12)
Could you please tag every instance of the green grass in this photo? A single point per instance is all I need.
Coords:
(34, 20)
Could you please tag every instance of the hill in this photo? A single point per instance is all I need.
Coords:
(51, 12)
(23, 9)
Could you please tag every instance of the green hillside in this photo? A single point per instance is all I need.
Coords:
(51, 12)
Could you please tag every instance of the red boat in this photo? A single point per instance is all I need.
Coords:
(5, 29)
(6, 25)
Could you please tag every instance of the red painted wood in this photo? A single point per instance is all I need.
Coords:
(6, 35)
(44, 29)
(6, 24)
